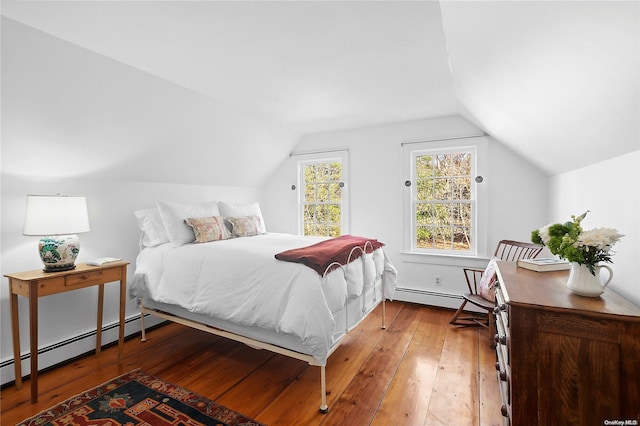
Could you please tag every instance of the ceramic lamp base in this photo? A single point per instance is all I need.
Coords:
(59, 253)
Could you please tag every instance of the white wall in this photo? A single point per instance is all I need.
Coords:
(69, 112)
(517, 196)
(610, 190)
(74, 122)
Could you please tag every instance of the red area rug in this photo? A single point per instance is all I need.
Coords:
(138, 398)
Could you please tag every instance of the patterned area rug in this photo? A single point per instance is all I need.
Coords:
(137, 398)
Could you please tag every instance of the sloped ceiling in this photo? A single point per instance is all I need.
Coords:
(312, 66)
(556, 81)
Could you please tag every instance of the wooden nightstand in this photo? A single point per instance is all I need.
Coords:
(34, 284)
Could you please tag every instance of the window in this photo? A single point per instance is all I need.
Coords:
(322, 206)
(442, 197)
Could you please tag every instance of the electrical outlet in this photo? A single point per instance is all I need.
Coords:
(438, 281)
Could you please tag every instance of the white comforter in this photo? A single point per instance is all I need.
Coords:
(239, 280)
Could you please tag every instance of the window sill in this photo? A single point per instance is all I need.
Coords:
(444, 259)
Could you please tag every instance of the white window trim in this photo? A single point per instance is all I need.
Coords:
(481, 201)
(321, 157)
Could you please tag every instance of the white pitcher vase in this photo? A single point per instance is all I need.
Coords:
(583, 282)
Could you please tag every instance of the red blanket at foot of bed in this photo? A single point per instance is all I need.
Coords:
(320, 255)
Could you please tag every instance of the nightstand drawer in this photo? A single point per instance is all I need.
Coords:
(45, 287)
(98, 276)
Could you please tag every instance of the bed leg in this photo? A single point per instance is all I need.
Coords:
(144, 334)
(384, 315)
(324, 408)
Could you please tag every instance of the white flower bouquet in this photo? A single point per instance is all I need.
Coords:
(569, 241)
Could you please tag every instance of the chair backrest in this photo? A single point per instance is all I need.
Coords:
(513, 250)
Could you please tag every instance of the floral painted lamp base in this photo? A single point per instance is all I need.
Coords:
(584, 283)
(59, 253)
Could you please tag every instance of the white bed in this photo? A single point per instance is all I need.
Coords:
(236, 288)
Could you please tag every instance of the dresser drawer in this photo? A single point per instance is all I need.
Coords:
(501, 314)
(505, 405)
(502, 306)
(502, 342)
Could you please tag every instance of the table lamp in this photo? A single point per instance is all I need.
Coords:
(57, 218)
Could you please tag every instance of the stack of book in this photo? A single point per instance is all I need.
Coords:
(544, 264)
(103, 261)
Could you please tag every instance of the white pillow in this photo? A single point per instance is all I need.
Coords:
(150, 223)
(174, 214)
(239, 210)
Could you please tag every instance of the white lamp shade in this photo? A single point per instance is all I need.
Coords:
(56, 215)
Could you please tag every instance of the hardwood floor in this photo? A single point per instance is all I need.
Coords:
(420, 370)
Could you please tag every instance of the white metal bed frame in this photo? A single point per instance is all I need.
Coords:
(257, 344)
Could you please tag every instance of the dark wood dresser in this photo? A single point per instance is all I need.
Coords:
(565, 359)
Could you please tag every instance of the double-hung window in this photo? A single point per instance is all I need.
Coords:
(322, 196)
(442, 197)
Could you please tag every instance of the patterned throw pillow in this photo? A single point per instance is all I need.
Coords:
(488, 281)
(208, 229)
(245, 226)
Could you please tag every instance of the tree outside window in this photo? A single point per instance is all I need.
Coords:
(322, 198)
(443, 200)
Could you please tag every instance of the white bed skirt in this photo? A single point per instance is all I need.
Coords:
(349, 317)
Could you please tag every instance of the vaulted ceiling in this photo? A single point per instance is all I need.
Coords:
(558, 82)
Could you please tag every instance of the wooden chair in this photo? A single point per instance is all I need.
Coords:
(507, 250)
